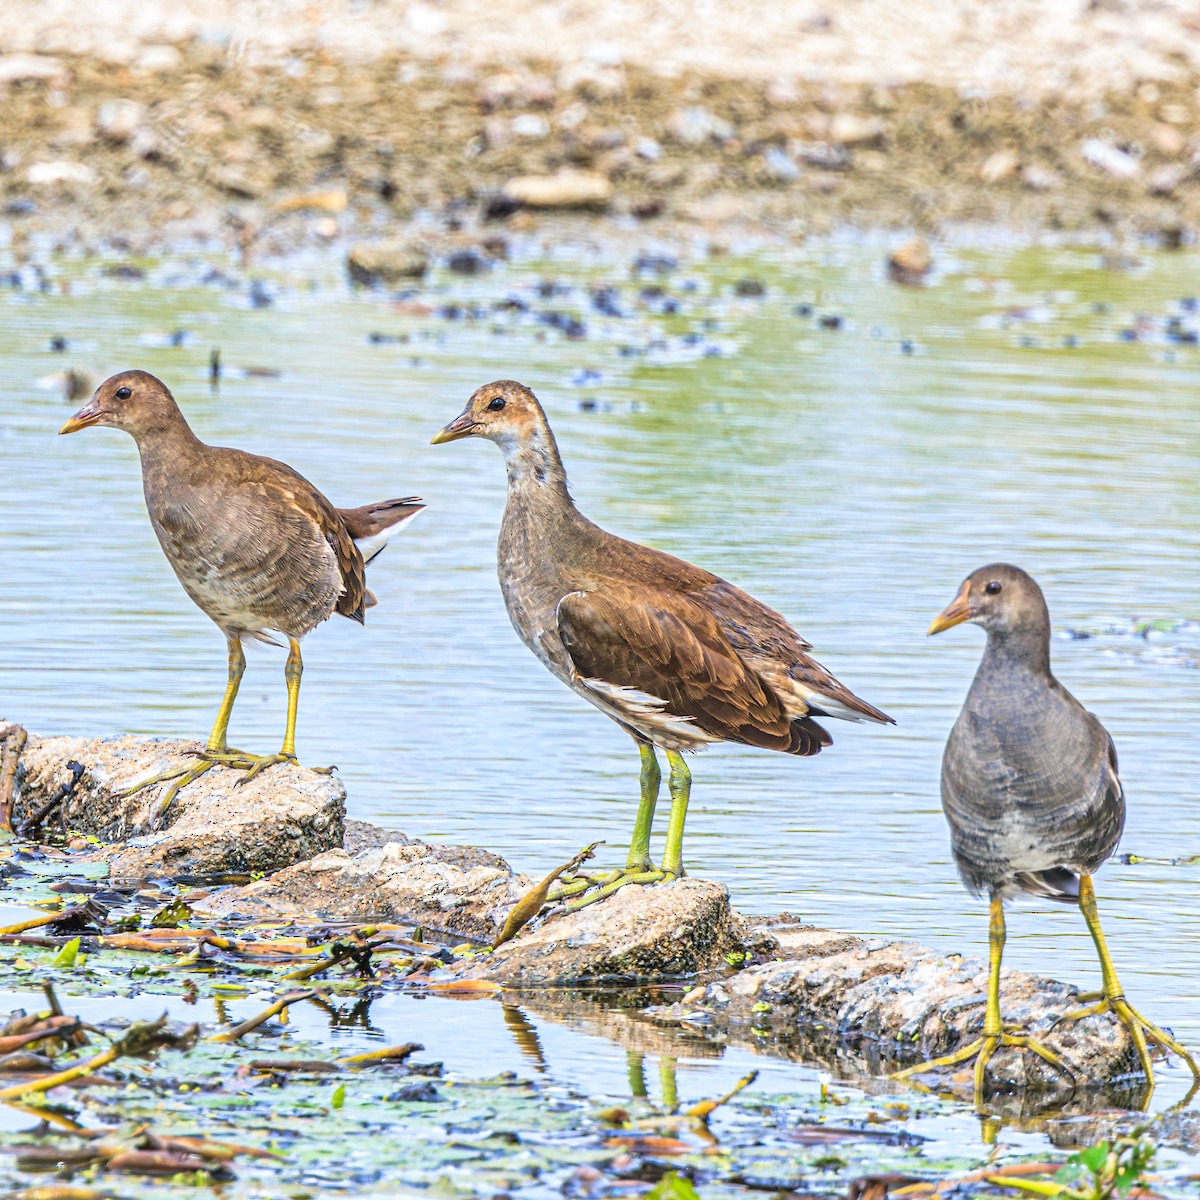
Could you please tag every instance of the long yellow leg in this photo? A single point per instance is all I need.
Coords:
(639, 868)
(994, 1034)
(680, 784)
(287, 753)
(1113, 996)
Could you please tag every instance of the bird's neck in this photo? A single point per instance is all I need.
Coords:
(535, 470)
(1017, 651)
(167, 443)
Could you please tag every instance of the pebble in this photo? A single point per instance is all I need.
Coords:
(848, 129)
(911, 263)
(779, 165)
(1040, 179)
(387, 262)
(565, 189)
(60, 171)
(695, 125)
(1164, 180)
(999, 166)
(14, 68)
(119, 120)
(1109, 158)
(467, 262)
(749, 287)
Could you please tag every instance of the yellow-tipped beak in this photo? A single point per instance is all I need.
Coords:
(462, 426)
(955, 613)
(89, 414)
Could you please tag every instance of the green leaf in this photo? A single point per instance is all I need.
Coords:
(175, 914)
(672, 1186)
(1094, 1157)
(68, 954)
(339, 1097)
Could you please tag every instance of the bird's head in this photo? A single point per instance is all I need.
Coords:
(1000, 597)
(504, 412)
(134, 401)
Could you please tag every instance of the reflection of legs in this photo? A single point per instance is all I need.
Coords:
(1112, 998)
(635, 1066)
(680, 785)
(993, 1036)
(639, 868)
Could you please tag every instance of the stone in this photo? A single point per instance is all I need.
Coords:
(215, 825)
(999, 166)
(911, 1003)
(1164, 180)
(1167, 140)
(119, 120)
(849, 129)
(387, 262)
(60, 171)
(1040, 179)
(455, 890)
(565, 189)
(17, 68)
(696, 125)
(638, 934)
(911, 263)
(1109, 158)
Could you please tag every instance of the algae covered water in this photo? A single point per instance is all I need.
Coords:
(845, 449)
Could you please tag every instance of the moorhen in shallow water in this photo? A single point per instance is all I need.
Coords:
(1032, 795)
(254, 544)
(678, 657)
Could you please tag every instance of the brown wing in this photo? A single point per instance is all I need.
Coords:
(297, 494)
(669, 647)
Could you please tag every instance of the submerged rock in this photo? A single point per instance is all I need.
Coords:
(282, 816)
(387, 262)
(912, 1003)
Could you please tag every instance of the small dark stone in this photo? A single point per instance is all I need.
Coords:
(260, 296)
(179, 337)
(416, 1093)
(1189, 304)
(499, 207)
(830, 321)
(467, 262)
(654, 264)
(58, 344)
(511, 304)
(385, 339)
(588, 405)
(20, 208)
(802, 310)
(605, 300)
(907, 347)
(750, 287)
(123, 271)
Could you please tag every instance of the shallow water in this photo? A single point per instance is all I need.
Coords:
(849, 477)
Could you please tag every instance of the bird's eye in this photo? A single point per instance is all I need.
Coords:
(496, 405)
(993, 587)
(123, 393)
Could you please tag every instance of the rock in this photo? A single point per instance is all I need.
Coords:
(848, 129)
(911, 263)
(158, 59)
(1109, 158)
(1167, 140)
(387, 262)
(118, 120)
(530, 125)
(910, 1001)
(999, 166)
(779, 165)
(284, 815)
(60, 171)
(695, 125)
(16, 68)
(452, 889)
(637, 934)
(565, 189)
(1040, 179)
(1163, 180)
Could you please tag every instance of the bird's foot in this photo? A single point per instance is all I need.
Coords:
(1140, 1029)
(981, 1050)
(587, 887)
(180, 777)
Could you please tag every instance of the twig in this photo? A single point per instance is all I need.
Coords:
(387, 1054)
(34, 821)
(239, 1031)
(531, 903)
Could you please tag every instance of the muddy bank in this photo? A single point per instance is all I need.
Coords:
(901, 999)
(196, 141)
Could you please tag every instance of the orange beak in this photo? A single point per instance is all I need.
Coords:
(955, 613)
(89, 414)
(462, 426)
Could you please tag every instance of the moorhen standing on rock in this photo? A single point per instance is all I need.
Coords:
(1031, 792)
(677, 657)
(254, 544)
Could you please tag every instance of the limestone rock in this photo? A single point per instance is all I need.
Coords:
(387, 262)
(910, 263)
(637, 934)
(284, 815)
(450, 889)
(119, 120)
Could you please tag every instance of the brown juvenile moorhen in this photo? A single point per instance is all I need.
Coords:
(254, 544)
(1031, 792)
(676, 656)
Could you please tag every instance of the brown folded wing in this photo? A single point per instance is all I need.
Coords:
(667, 646)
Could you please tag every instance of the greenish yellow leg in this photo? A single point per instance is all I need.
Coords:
(635, 1065)
(287, 753)
(650, 778)
(679, 783)
(668, 1085)
(639, 867)
(1113, 997)
(994, 1032)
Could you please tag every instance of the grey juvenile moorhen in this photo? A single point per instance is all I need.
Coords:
(1031, 792)
(676, 656)
(254, 544)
